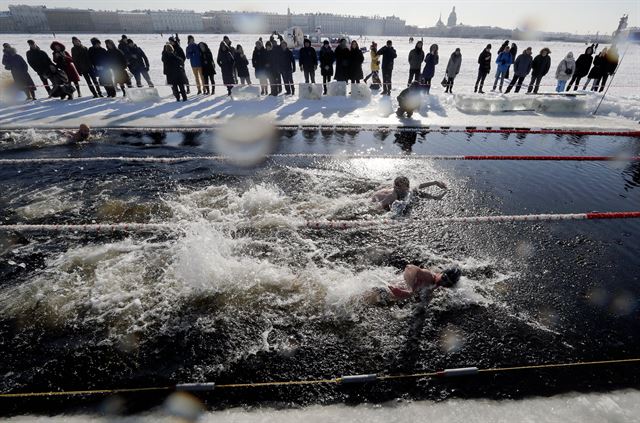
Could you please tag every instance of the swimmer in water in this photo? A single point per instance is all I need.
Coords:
(82, 134)
(386, 196)
(415, 280)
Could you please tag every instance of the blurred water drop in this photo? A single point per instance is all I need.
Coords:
(624, 303)
(112, 406)
(184, 406)
(598, 296)
(451, 340)
(245, 141)
(524, 249)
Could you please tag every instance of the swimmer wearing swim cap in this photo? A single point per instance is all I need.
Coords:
(401, 187)
(415, 280)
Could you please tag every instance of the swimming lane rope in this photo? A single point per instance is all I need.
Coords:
(349, 379)
(326, 224)
(337, 156)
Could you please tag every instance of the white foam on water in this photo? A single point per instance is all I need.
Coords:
(44, 202)
(616, 406)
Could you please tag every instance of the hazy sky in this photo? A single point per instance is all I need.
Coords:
(578, 16)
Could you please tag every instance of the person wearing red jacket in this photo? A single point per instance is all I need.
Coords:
(64, 62)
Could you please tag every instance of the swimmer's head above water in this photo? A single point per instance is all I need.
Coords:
(449, 277)
(401, 186)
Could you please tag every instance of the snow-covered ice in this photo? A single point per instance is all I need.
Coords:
(619, 110)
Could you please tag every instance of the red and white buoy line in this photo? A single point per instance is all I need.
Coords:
(327, 224)
(337, 156)
(356, 128)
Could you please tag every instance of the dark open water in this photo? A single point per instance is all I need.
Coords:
(245, 296)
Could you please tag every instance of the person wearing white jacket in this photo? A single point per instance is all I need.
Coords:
(564, 71)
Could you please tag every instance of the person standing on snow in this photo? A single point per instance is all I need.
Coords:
(287, 68)
(81, 59)
(20, 73)
(195, 58)
(242, 65)
(503, 61)
(64, 61)
(611, 64)
(388, 54)
(539, 68)
(174, 69)
(429, 70)
(138, 63)
(521, 69)
(375, 62)
(356, 59)
(208, 69)
(273, 67)
(259, 62)
(342, 61)
(39, 61)
(596, 72)
(327, 57)
(565, 69)
(227, 65)
(100, 60)
(416, 56)
(118, 65)
(453, 68)
(583, 64)
(308, 61)
(484, 67)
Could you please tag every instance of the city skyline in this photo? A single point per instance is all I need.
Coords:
(589, 16)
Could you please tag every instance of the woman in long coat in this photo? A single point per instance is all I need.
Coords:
(327, 57)
(174, 69)
(227, 65)
(64, 61)
(208, 69)
(453, 69)
(20, 73)
(430, 60)
(118, 64)
(356, 58)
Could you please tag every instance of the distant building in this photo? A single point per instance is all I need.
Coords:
(440, 24)
(453, 19)
(29, 18)
(69, 20)
(176, 21)
(6, 22)
(104, 21)
(135, 22)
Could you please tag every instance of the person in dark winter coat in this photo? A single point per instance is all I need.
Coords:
(342, 61)
(123, 45)
(356, 59)
(208, 69)
(138, 63)
(539, 68)
(583, 64)
(82, 61)
(521, 69)
(6, 48)
(259, 62)
(453, 69)
(308, 61)
(178, 51)
(484, 67)
(100, 60)
(195, 59)
(273, 68)
(503, 61)
(429, 70)
(503, 47)
(611, 64)
(227, 65)
(327, 57)
(39, 61)
(20, 73)
(174, 66)
(409, 100)
(118, 64)
(242, 65)
(514, 53)
(64, 61)
(287, 68)
(61, 85)
(416, 56)
(388, 54)
(596, 72)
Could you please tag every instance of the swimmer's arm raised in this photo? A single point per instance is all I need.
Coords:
(400, 293)
(432, 183)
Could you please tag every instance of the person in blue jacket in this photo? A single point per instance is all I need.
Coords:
(503, 61)
(521, 69)
(194, 54)
(431, 60)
